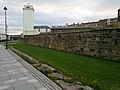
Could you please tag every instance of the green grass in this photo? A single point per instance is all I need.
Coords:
(100, 74)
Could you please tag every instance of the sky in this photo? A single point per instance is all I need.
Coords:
(56, 12)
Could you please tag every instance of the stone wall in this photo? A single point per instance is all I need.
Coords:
(103, 43)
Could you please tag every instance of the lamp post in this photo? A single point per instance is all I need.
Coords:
(6, 27)
(119, 17)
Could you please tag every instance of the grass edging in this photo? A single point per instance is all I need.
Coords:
(66, 80)
(100, 74)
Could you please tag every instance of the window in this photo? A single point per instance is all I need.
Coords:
(46, 30)
(115, 42)
(27, 7)
(81, 49)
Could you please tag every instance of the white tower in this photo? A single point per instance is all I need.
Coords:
(28, 20)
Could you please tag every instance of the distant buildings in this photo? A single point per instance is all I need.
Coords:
(14, 37)
(103, 23)
(112, 22)
(30, 29)
(28, 20)
(10, 37)
(2, 37)
(89, 25)
(41, 29)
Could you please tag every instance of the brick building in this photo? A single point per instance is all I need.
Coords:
(89, 25)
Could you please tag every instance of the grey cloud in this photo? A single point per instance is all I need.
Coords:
(52, 12)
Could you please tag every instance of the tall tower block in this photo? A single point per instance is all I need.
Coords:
(28, 20)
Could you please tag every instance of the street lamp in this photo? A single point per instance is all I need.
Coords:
(6, 27)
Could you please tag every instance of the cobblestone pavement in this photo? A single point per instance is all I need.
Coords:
(16, 74)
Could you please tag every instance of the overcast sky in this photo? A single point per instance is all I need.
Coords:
(57, 12)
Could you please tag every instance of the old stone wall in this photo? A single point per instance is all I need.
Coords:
(103, 43)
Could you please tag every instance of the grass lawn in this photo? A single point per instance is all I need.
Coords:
(94, 72)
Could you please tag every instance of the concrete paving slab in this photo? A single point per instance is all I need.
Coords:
(15, 76)
(10, 81)
(4, 78)
(37, 85)
(32, 81)
(42, 88)
(18, 83)
(25, 87)
(4, 87)
(24, 78)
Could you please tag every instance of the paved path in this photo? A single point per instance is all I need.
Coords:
(16, 74)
